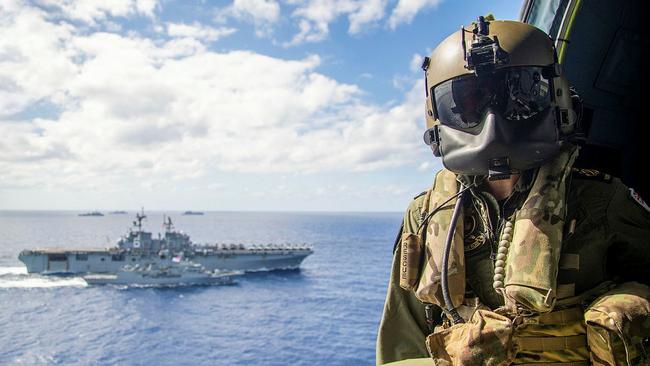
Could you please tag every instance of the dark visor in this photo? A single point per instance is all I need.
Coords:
(516, 93)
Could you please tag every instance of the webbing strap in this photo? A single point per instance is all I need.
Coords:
(573, 363)
(561, 316)
(587, 295)
(570, 261)
(565, 290)
(551, 343)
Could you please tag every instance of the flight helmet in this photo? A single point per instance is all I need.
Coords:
(497, 102)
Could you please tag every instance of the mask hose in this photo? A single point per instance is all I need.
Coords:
(455, 317)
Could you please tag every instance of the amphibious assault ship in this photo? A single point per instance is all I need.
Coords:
(138, 247)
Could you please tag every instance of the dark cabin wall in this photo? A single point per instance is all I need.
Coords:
(607, 62)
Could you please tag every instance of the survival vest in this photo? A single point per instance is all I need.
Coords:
(536, 326)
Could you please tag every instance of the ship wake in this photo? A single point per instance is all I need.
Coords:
(17, 277)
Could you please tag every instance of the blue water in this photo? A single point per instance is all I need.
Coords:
(326, 313)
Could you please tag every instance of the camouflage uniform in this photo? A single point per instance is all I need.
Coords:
(606, 241)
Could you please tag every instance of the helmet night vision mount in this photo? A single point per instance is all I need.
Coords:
(484, 53)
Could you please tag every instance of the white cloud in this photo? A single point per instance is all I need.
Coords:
(309, 32)
(368, 12)
(406, 10)
(91, 11)
(142, 112)
(36, 61)
(260, 10)
(262, 13)
(198, 31)
(404, 82)
(112, 27)
(425, 166)
(146, 7)
(416, 63)
(315, 16)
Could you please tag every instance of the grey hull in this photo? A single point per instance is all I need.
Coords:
(111, 261)
(136, 279)
(251, 262)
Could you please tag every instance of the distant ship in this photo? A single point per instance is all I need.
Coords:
(181, 273)
(93, 213)
(117, 213)
(192, 213)
(138, 247)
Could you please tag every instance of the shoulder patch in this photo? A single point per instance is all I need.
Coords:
(591, 174)
(421, 194)
(636, 197)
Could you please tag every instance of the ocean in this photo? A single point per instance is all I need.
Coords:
(325, 313)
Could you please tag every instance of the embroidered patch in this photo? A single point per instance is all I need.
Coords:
(474, 242)
(592, 174)
(473, 237)
(635, 196)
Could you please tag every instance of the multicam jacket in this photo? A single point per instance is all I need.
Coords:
(606, 241)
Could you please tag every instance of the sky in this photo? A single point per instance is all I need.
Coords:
(243, 105)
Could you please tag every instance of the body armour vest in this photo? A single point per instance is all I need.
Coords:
(534, 327)
(528, 252)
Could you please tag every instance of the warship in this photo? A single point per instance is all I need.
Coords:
(93, 213)
(174, 273)
(139, 247)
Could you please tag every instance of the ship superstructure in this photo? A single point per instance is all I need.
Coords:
(140, 247)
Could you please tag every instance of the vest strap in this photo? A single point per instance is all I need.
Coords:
(565, 290)
(570, 261)
(546, 344)
(561, 316)
(573, 363)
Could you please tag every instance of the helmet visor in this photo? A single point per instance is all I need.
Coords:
(517, 93)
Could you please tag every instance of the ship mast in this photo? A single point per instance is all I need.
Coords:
(139, 217)
(167, 223)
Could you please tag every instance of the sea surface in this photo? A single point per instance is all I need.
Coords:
(325, 313)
